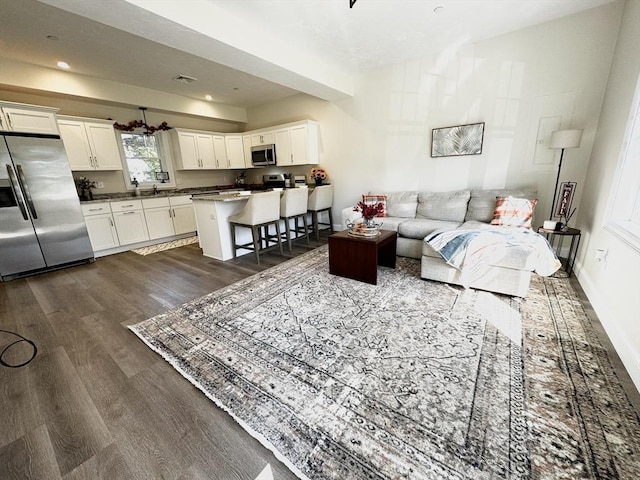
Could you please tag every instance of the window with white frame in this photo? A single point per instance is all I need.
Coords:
(144, 160)
(624, 211)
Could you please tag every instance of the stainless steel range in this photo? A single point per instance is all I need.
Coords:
(273, 181)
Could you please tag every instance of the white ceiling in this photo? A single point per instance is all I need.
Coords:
(249, 52)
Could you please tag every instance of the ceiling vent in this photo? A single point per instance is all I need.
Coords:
(185, 79)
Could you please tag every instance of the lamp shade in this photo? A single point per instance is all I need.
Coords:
(565, 139)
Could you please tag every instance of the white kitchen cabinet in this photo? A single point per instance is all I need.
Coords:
(168, 216)
(246, 144)
(184, 218)
(157, 213)
(130, 221)
(263, 138)
(235, 151)
(100, 225)
(90, 145)
(194, 150)
(283, 147)
(304, 144)
(18, 117)
(220, 151)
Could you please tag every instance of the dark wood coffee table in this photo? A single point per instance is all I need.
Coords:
(358, 257)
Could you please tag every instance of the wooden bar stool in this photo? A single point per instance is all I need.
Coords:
(321, 200)
(293, 205)
(261, 210)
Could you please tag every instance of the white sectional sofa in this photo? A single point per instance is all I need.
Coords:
(415, 215)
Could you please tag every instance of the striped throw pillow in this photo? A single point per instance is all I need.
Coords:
(513, 212)
(373, 200)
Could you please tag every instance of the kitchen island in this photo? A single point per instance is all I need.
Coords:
(212, 220)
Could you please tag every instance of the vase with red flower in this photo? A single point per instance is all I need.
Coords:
(367, 226)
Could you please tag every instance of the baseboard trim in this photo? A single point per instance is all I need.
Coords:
(628, 356)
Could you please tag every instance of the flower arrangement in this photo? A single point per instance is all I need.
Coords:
(84, 183)
(84, 186)
(369, 210)
(318, 174)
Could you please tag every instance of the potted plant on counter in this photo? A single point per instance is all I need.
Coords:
(84, 188)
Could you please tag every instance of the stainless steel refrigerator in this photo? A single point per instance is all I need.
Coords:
(41, 223)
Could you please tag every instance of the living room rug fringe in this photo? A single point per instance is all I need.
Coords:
(409, 379)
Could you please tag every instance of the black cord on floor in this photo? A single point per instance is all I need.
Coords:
(22, 339)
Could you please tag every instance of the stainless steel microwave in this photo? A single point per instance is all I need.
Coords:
(263, 155)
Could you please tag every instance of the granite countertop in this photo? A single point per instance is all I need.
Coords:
(218, 193)
(212, 190)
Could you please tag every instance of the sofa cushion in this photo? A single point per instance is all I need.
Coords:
(448, 206)
(513, 212)
(482, 203)
(421, 227)
(401, 204)
(390, 223)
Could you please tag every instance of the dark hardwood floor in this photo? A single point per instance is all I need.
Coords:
(96, 402)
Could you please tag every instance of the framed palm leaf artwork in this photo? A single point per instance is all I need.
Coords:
(458, 140)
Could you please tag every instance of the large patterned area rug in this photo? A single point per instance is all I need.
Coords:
(408, 379)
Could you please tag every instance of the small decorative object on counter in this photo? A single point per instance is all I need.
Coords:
(318, 175)
(136, 184)
(240, 179)
(84, 188)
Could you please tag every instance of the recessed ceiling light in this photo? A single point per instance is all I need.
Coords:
(64, 65)
(208, 98)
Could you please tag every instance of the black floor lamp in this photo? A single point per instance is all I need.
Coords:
(562, 139)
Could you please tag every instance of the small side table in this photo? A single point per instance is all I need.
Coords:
(557, 237)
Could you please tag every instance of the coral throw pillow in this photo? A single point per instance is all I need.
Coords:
(373, 200)
(514, 212)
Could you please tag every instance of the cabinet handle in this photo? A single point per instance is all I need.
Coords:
(174, 212)
(126, 206)
(169, 213)
(91, 161)
(111, 222)
(128, 213)
(0, 121)
(96, 160)
(95, 209)
(9, 121)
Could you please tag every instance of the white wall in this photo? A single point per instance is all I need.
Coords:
(613, 286)
(380, 139)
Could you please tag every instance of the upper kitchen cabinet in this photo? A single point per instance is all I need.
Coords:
(194, 150)
(246, 145)
(297, 144)
(90, 144)
(305, 148)
(235, 151)
(19, 117)
(263, 138)
(220, 151)
(283, 147)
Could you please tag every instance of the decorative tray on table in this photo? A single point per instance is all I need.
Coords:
(362, 230)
